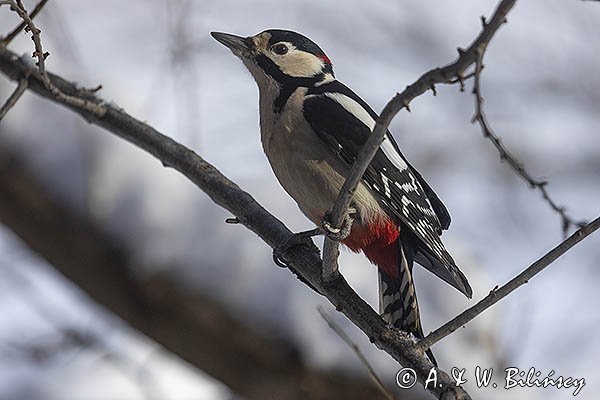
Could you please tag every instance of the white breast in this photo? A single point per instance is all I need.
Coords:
(307, 169)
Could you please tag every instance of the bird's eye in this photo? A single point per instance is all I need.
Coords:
(279, 49)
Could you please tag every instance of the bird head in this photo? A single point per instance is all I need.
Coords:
(286, 57)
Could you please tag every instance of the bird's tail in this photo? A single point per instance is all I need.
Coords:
(397, 297)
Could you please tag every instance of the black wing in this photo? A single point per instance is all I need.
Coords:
(344, 121)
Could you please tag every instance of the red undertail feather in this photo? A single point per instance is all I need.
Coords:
(378, 241)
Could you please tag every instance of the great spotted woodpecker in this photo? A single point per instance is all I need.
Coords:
(312, 128)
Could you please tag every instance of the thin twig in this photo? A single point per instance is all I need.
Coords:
(9, 38)
(498, 294)
(344, 336)
(402, 100)
(505, 155)
(14, 97)
(19, 8)
(39, 53)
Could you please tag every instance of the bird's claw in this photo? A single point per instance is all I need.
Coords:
(337, 234)
(297, 239)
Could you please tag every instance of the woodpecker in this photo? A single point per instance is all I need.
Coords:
(312, 128)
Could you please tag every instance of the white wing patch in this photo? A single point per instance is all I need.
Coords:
(391, 153)
(363, 116)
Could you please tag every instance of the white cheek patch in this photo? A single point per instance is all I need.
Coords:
(298, 63)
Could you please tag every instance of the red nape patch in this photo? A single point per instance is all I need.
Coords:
(324, 58)
(379, 242)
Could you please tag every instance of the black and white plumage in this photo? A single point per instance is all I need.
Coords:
(312, 129)
(344, 121)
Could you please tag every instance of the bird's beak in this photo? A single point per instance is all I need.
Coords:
(237, 44)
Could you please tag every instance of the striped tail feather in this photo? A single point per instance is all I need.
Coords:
(397, 297)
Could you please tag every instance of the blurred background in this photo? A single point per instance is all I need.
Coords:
(155, 59)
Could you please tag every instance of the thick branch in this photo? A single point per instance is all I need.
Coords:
(402, 100)
(498, 294)
(191, 326)
(228, 195)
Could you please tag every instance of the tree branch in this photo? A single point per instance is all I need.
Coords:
(448, 74)
(496, 294)
(304, 260)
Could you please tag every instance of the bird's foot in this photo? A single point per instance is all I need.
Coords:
(297, 239)
(337, 234)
